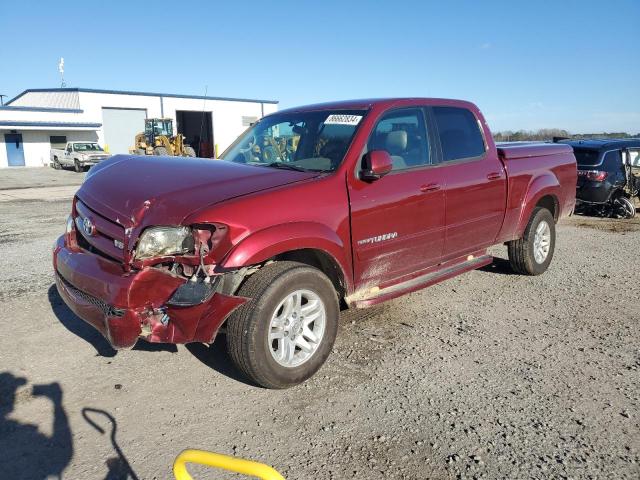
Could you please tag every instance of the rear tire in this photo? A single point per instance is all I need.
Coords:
(256, 331)
(56, 164)
(532, 254)
(189, 152)
(160, 151)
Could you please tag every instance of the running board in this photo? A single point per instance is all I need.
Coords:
(423, 281)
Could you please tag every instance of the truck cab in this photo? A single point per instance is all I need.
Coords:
(79, 155)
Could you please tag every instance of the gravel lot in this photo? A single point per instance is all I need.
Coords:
(488, 375)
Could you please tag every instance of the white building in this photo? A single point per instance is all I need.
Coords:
(37, 119)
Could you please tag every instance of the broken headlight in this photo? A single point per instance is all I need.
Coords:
(69, 225)
(164, 241)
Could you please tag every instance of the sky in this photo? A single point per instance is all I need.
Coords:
(527, 64)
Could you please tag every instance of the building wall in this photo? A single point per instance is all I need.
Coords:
(227, 115)
(86, 108)
(36, 144)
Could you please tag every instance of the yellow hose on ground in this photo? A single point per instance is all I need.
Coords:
(225, 462)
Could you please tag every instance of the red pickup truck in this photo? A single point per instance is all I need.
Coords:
(344, 204)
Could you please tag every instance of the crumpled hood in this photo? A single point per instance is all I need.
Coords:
(138, 191)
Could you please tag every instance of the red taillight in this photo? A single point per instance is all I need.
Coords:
(595, 175)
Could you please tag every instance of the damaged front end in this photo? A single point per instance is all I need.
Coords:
(163, 286)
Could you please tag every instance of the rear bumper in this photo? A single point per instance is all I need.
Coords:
(594, 192)
(125, 306)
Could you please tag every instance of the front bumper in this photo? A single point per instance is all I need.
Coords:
(125, 306)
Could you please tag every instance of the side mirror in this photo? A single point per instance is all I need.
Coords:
(375, 165)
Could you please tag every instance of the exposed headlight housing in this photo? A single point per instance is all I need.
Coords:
(69, 225)
(164, 241)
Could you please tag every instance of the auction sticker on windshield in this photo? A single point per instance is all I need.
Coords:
(336, 119)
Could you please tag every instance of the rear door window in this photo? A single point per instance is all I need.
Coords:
(459, 133)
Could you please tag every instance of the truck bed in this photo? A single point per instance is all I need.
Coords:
(531, 166)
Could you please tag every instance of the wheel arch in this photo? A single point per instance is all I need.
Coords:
(543, 192)
(305, 242)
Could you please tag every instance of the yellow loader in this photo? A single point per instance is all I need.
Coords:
(158, 139)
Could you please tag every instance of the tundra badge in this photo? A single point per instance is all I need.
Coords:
(379, 238)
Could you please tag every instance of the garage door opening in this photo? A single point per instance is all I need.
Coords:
(197, 128)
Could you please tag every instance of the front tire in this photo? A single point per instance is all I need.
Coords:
(532, 254)
(160, 151)
(77, 166)
(285, 332)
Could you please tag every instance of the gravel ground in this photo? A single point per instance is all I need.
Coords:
(14, 178)
(488, 375)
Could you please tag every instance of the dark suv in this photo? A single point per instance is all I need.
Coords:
(607, 176)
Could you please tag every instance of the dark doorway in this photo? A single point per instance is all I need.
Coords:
(197, 127)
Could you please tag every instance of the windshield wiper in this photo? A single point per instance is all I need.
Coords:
(286, 166)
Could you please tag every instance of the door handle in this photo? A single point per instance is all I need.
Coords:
(430, 187)
(494, 176)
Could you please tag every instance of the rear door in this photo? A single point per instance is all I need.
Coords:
(476, 188)
(397, 221)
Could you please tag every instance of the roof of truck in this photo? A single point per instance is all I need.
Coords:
(367, 103)
(604, 143)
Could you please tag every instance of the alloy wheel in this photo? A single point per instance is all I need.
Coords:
(296, 328)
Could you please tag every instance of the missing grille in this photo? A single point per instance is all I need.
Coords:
(106, 309)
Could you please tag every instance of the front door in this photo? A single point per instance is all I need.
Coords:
(397, 222)
(15, 152)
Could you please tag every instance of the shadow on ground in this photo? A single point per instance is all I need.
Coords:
(25, 451)
(216, 357)
(89, 334)
(500, 266)
(118, 466)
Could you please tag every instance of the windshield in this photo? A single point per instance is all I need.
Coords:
(87, 147)
(159, 127)
(586, 157)
(314, 141)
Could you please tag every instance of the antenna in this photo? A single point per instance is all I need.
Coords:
(206, 88)
(61, 70)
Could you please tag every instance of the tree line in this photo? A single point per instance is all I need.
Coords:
(548, 134)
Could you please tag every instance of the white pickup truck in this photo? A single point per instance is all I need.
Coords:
(78, 155)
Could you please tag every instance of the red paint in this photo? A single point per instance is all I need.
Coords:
(421, 220)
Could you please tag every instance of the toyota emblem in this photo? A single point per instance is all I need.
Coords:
(88, 226)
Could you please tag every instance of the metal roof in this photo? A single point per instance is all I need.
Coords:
(146, 94)
(41, 109)
(20, 123)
